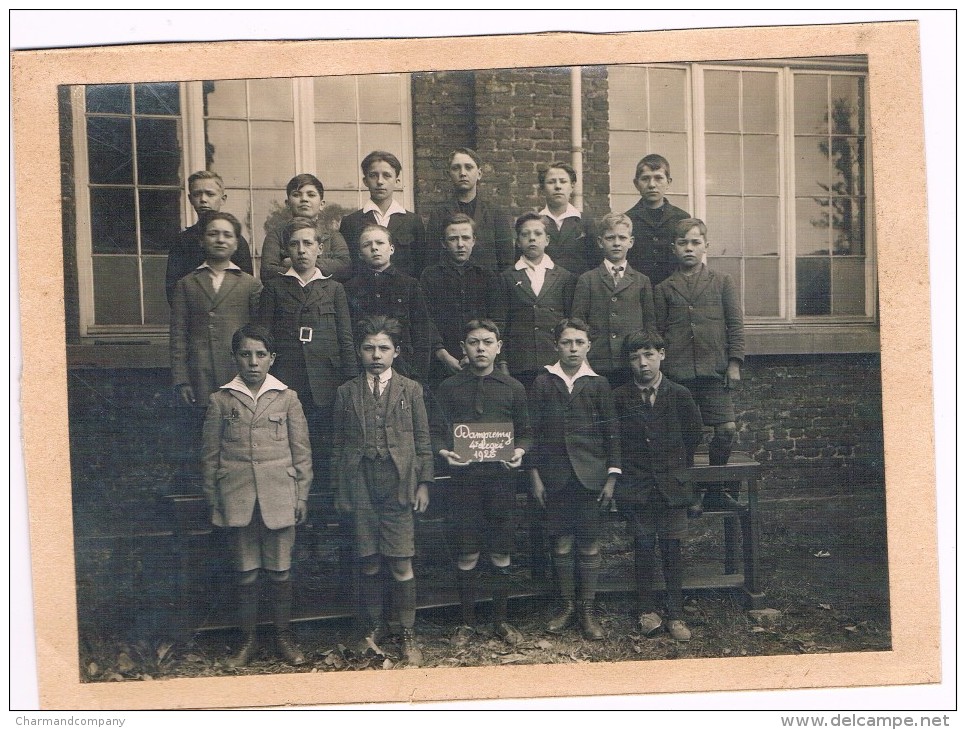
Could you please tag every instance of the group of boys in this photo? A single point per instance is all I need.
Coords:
(503, 342)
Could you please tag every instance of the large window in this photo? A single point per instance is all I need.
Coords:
(135, 145)
(777, 156)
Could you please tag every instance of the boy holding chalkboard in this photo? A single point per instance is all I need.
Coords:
(481, 394)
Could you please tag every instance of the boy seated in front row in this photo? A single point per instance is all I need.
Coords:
(660, 427)
(381, 174)
(574, 466)
(305, 196)
(483, 495)
(381, 288)
(700, 318)
(383, 464)
(614, 299)
(257, 471)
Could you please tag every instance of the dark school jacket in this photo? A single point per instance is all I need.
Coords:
(408, 240)
(652, 251)
(574, 244)
(494, 234)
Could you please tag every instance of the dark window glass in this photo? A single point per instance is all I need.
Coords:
(109, 151)
(160, 219)
(157, 99)
(116, 299)
(112, 220)
(109, 99)
(813, 286)
(156, 309)
(159, 152)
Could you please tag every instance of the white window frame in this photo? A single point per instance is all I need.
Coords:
(193, 158)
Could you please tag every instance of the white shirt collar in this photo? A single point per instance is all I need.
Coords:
(656, 384)
(570, 212)
(523, 263)
(584, 369)
(610, 267)
(316, 274)
(384, 377)
(271, 383)
(394, 207)
(231, 266)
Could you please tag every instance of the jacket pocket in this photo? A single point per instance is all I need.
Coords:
(279, 430)
(229, 428)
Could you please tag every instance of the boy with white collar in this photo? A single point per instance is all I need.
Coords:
(574, 467)
(382, 176)
(571, 231)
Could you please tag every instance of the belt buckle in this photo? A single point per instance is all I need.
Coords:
(305, 334)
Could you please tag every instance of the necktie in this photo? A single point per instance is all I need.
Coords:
(478, 397)
(618, 273)
(375, 388)
(648, 396)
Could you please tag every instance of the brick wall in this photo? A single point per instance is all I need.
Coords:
(518, 120)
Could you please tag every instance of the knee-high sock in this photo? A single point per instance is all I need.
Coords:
(588, 568)
(281, 593)
(371, 596)
(247, 606)
(466, 582)
(500, 590)
(404, 599)
(644, 566)
(673, 577)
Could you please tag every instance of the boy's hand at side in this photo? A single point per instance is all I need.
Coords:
(301, 512)
(421, 499)
(186, 393)
(607, 492)
(733, 374)
(451, 363)
(452, 458)
(537, 488)
(517, 459)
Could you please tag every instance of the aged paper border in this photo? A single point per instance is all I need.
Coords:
(898, 152)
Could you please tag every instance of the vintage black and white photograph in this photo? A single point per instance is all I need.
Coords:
(483, 367)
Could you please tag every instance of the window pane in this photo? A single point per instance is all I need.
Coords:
(160, 219)
(848, 105)
(811, 166)
(761, 227)
(386, 137)
(270, 98)
(109, 150)
(723, 164)
(239, 205)
(848, 166)
(759, 102)
(623, 202)
(674, 148)
(379, 98)
(224, 98)
(273, 153)
(721, 101)
(761, 165)
(681, 201)
(116, 290)
(337, 156)
(668, 105)
(269, 211)
(155, 302)
(848, 226)
(157, 99)
(159, 151)
(227, 151)
(848, 286)
(108, 98)
(348, 199)
(761, 295)
(813, 285)
(811, 104)
(335, 98)
(724, 226)
(811, 226)
(726, 265)
(112, 220)
(626, 93)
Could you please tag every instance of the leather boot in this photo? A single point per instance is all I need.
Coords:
(564, 618)
(563, 564)
(247, 620)
(588, 621)
(282, 617)
(411, 652)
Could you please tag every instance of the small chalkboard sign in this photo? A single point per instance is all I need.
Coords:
(483, 441)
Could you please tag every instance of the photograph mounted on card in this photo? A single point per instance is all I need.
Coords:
(483, 441)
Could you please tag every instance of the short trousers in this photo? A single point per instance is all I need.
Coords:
(573, 510)
(655, 517)
(484, 498)
(713, 398)
(388, 528)
(255, 546)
